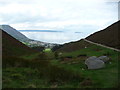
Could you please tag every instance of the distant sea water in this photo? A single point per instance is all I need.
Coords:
(53, 36)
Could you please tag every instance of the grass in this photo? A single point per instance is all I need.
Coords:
(47, 50)
(30, 56)
(105, 78)
(43, 76)
(22, 78)
(43, 70)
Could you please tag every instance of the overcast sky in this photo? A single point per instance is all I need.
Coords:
(58, 14)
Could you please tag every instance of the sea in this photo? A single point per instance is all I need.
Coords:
(54, 36)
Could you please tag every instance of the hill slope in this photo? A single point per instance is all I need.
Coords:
(12, 47)
(74, 46)
(22, 38)
(13, 32)
(110, 36)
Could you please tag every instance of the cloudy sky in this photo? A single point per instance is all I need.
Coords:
(66, 15)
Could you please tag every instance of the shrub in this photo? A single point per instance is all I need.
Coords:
(42, 56)
(56, 55)
(13, 61)
(59, 74)
(17, 76)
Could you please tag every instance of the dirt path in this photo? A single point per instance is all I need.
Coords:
(102, 45)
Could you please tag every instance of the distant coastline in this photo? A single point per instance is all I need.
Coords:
(39, 31)
(78, 32)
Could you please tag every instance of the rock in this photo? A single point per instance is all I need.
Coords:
(94, 63)
(104, 58)
(90, 58)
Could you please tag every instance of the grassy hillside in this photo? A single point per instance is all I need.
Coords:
(73, 46)
(12, 47)
(24, 68)
(102, 78)
(33, 72)
(109, 36)
(64, 68)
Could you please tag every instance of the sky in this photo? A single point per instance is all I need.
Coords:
(66, 15)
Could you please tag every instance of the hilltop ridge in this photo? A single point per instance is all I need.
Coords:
(109, 36)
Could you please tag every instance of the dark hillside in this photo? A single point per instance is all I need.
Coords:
(14, 33)
(74, 46)
(12, 47)
(110, 36)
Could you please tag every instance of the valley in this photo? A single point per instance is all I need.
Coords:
(61, 66)
(44, 70)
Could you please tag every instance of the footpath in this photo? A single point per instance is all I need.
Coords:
(102, 45)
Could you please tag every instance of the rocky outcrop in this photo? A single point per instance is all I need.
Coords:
(104, 58)
(94, 63)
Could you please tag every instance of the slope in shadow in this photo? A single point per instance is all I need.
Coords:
(12, 47)
(110, 36)
(74, 46)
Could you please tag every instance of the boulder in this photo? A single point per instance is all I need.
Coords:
(104, 58)
(94, 63)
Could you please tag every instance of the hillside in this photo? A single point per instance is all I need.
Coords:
(22, 38)
(48, 70)
(12, 47)
(14, 33)
(73, 46)
(109, 36)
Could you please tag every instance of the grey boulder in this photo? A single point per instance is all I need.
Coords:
(94, 63)
(104, 58)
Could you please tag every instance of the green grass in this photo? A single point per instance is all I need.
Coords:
(91, 51)
(26, 43)
(44, 76)
(47, 50)
(30, 56)
(43, 70)
(105, 78)
(22, 78)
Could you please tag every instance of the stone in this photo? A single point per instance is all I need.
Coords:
(94, 63)
(104, 58)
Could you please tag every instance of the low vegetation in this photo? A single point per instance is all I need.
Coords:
(49, 69)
